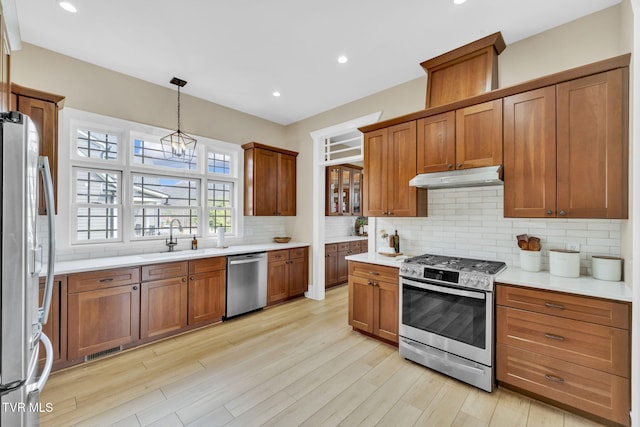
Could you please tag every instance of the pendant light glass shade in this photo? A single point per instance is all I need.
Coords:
(178, 146)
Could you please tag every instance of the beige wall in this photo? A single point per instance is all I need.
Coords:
(91, 88)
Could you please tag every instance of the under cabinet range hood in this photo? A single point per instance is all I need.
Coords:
(474, 177)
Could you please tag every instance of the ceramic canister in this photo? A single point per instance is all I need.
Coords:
(607, 268)
(564, 263)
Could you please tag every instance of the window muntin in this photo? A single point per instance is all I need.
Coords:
(149, 153)
(220, 205)
(165, 190)
(150, 221)
(92, 144)
(219, 163)
(96, 204)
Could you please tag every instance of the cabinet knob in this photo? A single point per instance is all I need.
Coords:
(563, 213)
(449, 166)
(184, 279)
(135, 288)
(549, 212)
(390, 213)
(192, 278)
(459, 165)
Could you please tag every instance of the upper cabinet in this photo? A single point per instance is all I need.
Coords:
(344, 190)
(566, 149)
(5, 61)
(42, 108)
(389, 165)
(469, 137)
(270, 180)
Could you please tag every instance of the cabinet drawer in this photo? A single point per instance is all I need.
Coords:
(595, 346)
(282, 255)
(207, 264)
(597, 392)
(343, 246)
(165, 270)
(331, 248)
(297, 253)
(373, 271)
(354, 247)
(103, 279)
(603, 312)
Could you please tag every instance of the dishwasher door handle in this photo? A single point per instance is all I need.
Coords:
(244, 261)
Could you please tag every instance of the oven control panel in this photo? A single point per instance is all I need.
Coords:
(476, 280)
(467, 279)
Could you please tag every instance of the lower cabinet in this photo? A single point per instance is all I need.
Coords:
(565, 348)
(103, 311)
(373, 300)
(207, 290)
(336, 268)
(56, 327)
(288, 273)
(163, 301)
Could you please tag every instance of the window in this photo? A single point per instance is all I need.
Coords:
(124, 189)
(97, 205)
(157, 200)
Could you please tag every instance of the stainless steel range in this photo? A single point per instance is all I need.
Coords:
(446, 316)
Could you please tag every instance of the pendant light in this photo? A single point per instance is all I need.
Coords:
(178, 146)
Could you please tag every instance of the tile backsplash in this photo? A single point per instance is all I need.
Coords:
(469, 222)
(339, 226)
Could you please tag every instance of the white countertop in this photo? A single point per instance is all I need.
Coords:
(77, 266)
(583, 285)
(374, 258)
(330, 240)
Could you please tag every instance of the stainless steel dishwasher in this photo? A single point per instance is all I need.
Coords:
(246, 283)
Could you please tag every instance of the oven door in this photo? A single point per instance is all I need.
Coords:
(454, 320)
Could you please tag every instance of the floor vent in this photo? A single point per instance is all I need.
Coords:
(102, 353)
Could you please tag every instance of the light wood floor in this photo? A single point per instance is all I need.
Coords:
(295, 364)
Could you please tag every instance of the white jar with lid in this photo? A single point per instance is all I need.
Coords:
(607, 268)
(564, 263)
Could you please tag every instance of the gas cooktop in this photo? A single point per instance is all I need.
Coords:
(458, 264)
(462, 272)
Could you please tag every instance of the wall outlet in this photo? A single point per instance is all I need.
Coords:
(573, 246)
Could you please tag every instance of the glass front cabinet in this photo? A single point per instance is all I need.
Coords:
(344, 190)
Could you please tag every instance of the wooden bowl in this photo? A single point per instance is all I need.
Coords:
(281, 239)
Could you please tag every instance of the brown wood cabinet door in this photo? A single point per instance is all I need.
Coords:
(592, 149)
(265, 191)
(277, 281)
(375, 173)
(401, 168)
(342, 265)
(332, 190)
(163, 306)
(436, 147)
(361, 303)
(356, 192)
(45, 117)
(298, 276)
(530, 154)
(330, 265)
(103, 319)
(286, 193)
(385, 310)
(206, 297)
(479, 135)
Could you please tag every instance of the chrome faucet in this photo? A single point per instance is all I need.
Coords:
(171, 242)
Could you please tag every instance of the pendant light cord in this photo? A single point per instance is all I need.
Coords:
(178, 109)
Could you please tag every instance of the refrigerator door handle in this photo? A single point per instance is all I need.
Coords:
(48, 348)
(43, 166)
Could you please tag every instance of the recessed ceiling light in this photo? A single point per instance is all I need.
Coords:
(459, 1)
(276, 94)
(342, 59)
(68, 6)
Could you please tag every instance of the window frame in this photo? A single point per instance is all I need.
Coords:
(127, 132)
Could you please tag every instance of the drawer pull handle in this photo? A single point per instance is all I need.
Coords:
(552, 305)
(553, 378)
(374, 273)
(554, 337)
(109, 279)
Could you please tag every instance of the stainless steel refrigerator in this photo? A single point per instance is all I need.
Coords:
(22, 263)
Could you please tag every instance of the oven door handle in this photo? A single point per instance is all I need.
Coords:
(446, 290)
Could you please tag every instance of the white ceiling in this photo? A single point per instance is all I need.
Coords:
(237, 52)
